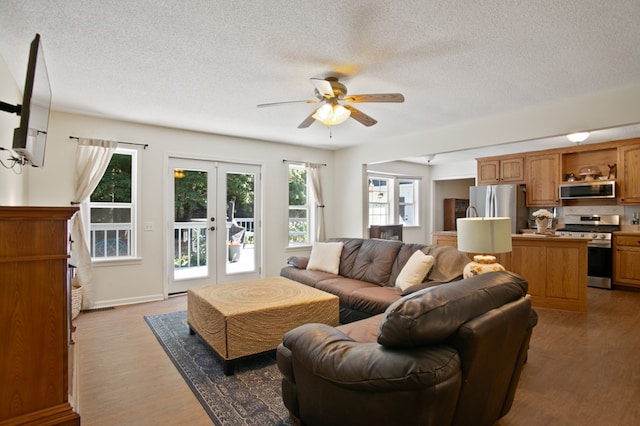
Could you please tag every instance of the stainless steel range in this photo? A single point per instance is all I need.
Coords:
(598, 229)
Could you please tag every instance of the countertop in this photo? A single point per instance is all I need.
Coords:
(526, 235)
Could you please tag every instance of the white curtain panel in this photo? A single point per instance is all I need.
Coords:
(316, 186)
(92, 159)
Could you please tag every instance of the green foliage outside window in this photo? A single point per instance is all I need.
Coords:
(298, 217)
(297, 187)
(115, 186)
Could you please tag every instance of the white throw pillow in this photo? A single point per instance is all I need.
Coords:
(325, 257)
(414, 271)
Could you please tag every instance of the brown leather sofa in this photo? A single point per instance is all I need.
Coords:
(368, 270)
(445, 355)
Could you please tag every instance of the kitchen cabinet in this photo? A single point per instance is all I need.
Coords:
(542, 173)
(626, 259)
(34, 310)
(506, 169)
(555, 268)
(454, 208)
(629, 174)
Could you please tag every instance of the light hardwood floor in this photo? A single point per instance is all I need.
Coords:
(583, 369)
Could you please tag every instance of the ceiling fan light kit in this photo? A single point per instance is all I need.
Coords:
(331, 114)
(330, 92)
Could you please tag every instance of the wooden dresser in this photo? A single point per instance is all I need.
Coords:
(34, 316)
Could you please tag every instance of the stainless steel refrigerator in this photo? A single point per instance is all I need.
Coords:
(501, 201)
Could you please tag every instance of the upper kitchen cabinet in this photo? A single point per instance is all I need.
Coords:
(629, 173)
(542, 173)
(507, 169)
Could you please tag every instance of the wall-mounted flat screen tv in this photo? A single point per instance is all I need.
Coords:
(29, 140)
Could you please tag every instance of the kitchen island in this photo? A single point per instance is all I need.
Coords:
(555, 267)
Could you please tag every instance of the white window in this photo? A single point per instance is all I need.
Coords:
(301, 213)
(392, 200)
(407, 194)
(113, 208)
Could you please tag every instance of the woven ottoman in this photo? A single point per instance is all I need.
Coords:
(250, 317)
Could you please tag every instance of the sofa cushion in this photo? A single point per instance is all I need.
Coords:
(325, 257)
(349, 254)
(363, 331)
(342, 287)
(415, 270)
(305, 276)
(431, 315)
(374, 261)
(373, 300)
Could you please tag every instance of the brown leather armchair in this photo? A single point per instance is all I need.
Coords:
(446, 355)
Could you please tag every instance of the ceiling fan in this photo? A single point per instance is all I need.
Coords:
(332, 94)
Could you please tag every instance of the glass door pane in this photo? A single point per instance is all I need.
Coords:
(238, 192)
(193, 233)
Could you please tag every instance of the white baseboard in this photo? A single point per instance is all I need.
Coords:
(126, 301)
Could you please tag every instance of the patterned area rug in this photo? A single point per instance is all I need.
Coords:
(252, 396)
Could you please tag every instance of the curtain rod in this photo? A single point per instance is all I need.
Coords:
(143, 145)
(301, 162)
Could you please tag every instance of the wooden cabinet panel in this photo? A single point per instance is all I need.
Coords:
(629, 174)
(34, 310)
(512, 169)
(542, 179)
(626, 260)
(488, 172)
(449, 239)
(531, 263)
(563, 280)
(555, 268)
(503, 170)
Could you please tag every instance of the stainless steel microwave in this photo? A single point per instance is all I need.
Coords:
(589, 189)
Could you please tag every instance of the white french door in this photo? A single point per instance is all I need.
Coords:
(214, 231)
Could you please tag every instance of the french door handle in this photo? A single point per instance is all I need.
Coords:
(213, 228)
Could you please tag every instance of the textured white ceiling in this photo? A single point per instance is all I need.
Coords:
(204, 65)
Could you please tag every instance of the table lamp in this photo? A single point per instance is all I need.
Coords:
(485, 235)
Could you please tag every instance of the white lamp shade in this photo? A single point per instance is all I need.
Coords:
(484, 235)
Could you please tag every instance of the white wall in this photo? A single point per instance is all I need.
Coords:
(143, 280)
(596, 111)
(12, 185)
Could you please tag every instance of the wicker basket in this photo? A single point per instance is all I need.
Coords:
(76, 300)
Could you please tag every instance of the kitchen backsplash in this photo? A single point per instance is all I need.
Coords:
(625, 212)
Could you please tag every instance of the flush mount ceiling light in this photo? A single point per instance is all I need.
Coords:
(578, 137)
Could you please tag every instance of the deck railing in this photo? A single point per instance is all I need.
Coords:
(190, 240)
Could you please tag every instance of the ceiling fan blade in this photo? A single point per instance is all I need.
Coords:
(310, 101)
(323, 87)
(307, 121)
(378, 97)
(360, 116)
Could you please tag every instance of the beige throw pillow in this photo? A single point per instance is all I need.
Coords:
(414, 271)
(325, 257)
